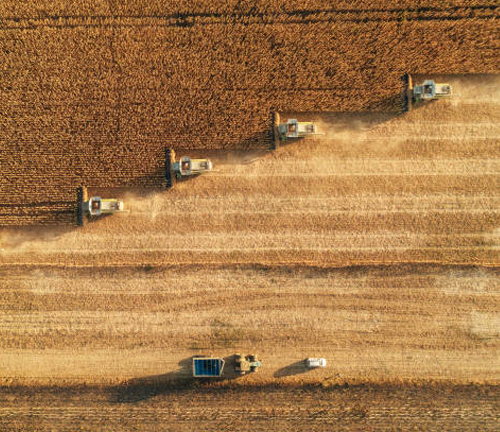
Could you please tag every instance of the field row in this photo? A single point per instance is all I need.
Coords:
(103, 408)
(64, 8)
(151, 321)
(303, 16)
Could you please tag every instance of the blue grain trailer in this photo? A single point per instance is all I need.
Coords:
(207, 367)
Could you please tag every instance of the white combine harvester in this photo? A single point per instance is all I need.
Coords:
(427, 91)
(96, 206)
(295, 129)
(185, 167)
(291, 129)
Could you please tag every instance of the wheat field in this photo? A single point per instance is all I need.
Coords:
(374, 245)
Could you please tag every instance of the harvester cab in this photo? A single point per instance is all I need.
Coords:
(97, 206)
(295, 129)
(249, 363)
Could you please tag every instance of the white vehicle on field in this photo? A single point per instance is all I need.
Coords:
(314, 362)
(429, 90)
(187, 166)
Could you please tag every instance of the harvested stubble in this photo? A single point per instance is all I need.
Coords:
(152, 403)
(377, 323)
(374, 189)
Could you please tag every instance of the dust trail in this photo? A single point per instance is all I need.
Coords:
(17, 239)
(151, 204)
(353, 130)
(476, 90)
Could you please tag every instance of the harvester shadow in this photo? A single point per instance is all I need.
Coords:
(292, 369)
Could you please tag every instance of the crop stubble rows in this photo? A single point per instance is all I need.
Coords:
(145, 320)
(443, 407)
(385, 194)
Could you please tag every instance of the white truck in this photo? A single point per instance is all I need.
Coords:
(314, 362)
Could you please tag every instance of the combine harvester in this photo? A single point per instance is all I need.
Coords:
(96, 206)
(185, 167)
(292, 129)
(295, 129)
(427, 91)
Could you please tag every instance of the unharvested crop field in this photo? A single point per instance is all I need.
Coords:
(375, 245)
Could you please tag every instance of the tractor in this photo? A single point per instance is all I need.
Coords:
(246, 364)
